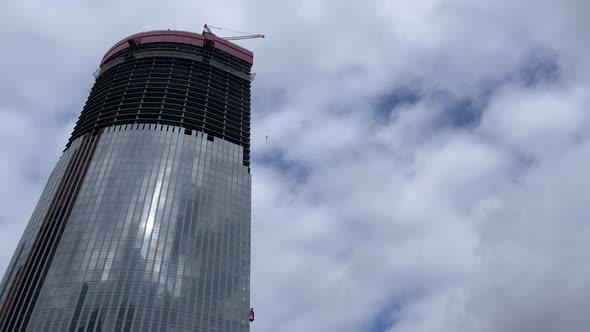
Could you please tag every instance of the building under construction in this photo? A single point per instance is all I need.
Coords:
(144, 224)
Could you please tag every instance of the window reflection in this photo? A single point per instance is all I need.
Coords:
(160, 228)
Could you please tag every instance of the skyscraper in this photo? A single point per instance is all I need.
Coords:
(144, 224)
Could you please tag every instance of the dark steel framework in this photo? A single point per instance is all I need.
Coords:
(198, 88)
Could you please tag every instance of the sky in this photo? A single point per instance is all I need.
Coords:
(426, 161)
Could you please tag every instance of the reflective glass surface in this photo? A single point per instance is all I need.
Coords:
(24, 246)
(158, 238)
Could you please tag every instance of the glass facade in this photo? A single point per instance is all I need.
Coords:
(24, 247)
(144, 224)
(158, 239)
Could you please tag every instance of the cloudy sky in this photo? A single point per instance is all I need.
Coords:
(426, 166)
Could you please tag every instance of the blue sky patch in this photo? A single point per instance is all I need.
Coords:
(541, 66)
(463, 113)
(386, 317)
(293, 168)
(387, 103)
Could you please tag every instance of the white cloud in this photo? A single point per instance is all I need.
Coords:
(547, 118)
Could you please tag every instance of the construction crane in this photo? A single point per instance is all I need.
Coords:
(207, 28)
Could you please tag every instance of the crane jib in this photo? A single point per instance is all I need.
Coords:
(207, 28)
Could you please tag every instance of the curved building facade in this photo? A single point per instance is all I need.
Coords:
(144, 224)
